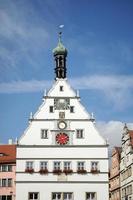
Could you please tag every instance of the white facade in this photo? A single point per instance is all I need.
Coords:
(126, 165)
(62, 131)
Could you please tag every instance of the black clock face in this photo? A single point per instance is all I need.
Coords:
(62, 138)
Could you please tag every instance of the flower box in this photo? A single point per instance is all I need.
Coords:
(81, 171)
(57, 171)
(68, 171)
(95, 171)
(43, 171)
(29, 170)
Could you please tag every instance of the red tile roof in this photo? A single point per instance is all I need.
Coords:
(7, 153)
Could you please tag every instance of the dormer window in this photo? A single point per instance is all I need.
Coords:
(61, 88)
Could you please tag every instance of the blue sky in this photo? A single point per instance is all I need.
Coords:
(98, 36)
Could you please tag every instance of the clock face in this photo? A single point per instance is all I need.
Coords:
(62, 125)
(62, 138)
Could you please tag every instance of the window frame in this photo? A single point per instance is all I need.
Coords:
(55, 168)
(95, 167)
(62, 195)
(67, 167)
(51, 109)
(80, 135)
(95, 197)
(45, 166)
(61, 88)
(44, 133)
(28, 167)
(72, 109)
(33, 196)
(80, 167)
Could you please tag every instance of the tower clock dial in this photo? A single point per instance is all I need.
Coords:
(62, 125)
(62, 138)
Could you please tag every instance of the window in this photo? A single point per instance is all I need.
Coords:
(4, 168)
(51, 109)
(9, 168)
(91, 196)
(80, 165)
(4, 183)
(79, 133)
(9, 182)
(33, 195)
(94, 166)
(57, 165)
(63, 196)
(4, 197)
(44, 134)
(61, 88)
(67, 165)
(9, 197)
(29, 165)
(67, 196)
(43, 165)
(56, 196)
(71, 109)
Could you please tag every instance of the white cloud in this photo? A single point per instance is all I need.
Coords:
(112, 131)
(23, 86)
(116, 89)
(116, 84)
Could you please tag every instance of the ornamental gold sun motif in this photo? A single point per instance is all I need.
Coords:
(62, 138)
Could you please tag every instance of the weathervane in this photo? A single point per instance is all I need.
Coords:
(60, 32)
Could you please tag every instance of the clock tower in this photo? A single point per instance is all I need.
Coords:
(61, 155)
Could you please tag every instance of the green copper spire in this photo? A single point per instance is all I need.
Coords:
(60, 49)
(60, 54)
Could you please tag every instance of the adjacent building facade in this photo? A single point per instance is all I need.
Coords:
(7, 172)
(61, 155)
(115, 174)
(126, 165)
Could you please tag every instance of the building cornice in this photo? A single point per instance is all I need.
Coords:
(37, 172)
(57, 146)
(58, 158)
(65, 182)
(57, 119)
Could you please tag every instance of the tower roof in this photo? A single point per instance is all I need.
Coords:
(60, 49)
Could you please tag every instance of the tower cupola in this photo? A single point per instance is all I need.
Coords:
(60, 54)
